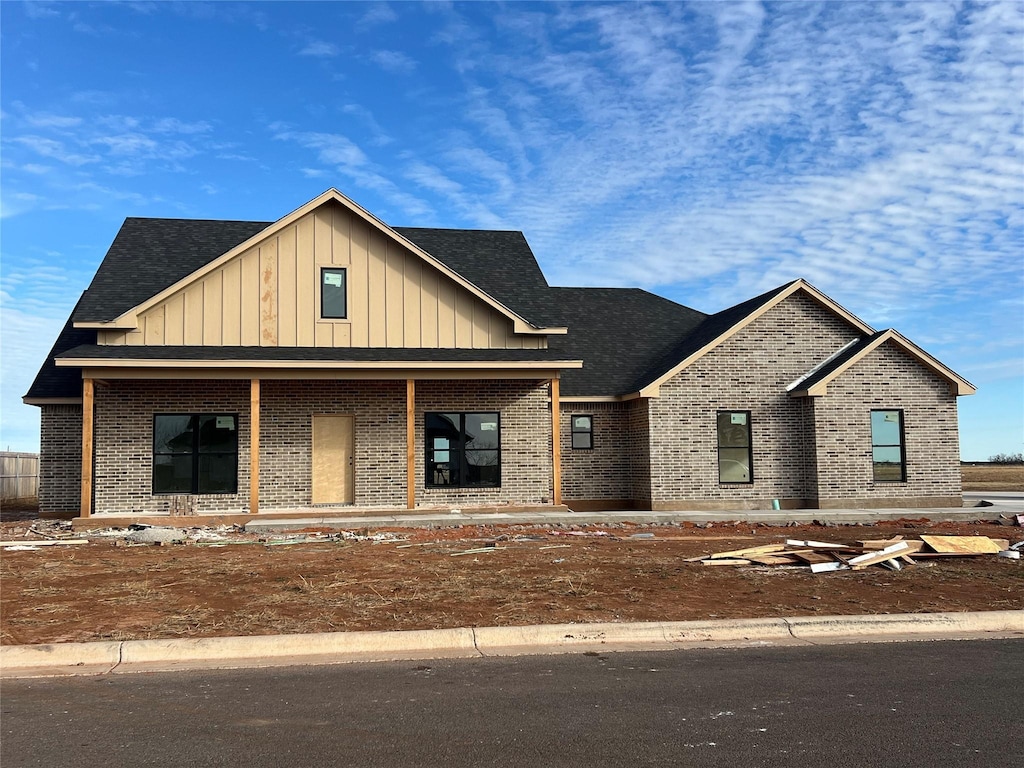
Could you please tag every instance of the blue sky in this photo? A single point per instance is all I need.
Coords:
(706, 152)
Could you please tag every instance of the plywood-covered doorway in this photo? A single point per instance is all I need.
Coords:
(333, 460)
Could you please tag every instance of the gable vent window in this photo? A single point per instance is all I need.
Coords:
(195, 453)
(888, 458)
(734, 452)
(582, 432)
(333, 297)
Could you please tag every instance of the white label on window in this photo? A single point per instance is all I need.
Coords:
(225, 422)
(582, 422)
(892, 417)
(739, 418)
(488, 426)
(332, 278)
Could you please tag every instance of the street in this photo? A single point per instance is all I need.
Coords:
(912, 704)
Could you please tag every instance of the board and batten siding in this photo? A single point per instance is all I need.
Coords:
(268, 296)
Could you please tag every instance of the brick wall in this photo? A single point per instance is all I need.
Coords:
(286, 439)
(887, 378)
(748, 372)
(123, 439)
(526, 475)
(124, 435)
(60, 458)
(604, 471)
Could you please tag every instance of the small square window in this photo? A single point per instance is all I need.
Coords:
(333, 294)
(582, 432)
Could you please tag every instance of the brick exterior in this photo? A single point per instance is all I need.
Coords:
(123, 440)
(603, 472)
(124, 434)
(887, 378)
(60, 458)
(286, 439)
(747, 372)
(525, 409)
(656, 453)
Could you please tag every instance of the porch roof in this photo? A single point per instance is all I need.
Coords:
(99, 356)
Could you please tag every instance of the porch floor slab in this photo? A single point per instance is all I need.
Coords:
(348, 518)
(752, 517)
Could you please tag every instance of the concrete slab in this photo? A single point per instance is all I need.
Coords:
(753, 517)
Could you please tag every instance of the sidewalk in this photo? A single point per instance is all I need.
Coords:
(468, 642)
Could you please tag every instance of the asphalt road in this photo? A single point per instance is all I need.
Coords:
(908, 704)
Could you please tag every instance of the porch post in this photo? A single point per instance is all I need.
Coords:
(410, 442)
(254, 446)
(87, 411)
(556, 444)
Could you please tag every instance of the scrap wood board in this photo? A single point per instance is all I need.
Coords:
(973, 545)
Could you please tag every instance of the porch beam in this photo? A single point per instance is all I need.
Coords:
(87, 443)
(254, 446)
(410, 442)
(556, 444)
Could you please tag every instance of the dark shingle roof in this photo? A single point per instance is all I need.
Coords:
(498, 262)
(617, 332)
(314, 354)
(710, 329)
(149, 255)
(52, 381)
(626, 337)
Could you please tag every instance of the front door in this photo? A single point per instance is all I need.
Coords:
(333, 458)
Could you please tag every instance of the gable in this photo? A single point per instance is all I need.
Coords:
(903, 358)
(267, 295)
(723, 326)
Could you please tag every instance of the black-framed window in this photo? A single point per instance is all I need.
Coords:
(888, 457)
(195, 453)
(463, 450)
(582, 427)
(735, 457)
(333, 293)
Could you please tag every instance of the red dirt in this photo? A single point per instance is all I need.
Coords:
(97, 591)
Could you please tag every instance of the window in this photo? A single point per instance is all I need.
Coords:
(889, 463)
(582, 432)
(734, 454)
(195, 453)
(463, 449)
(333, 297)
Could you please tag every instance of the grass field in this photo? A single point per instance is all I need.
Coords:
(993, 477)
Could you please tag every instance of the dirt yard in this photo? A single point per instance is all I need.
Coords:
(993, 477)
(419, 580)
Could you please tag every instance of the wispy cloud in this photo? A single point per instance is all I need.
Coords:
(319, 49)
(395, 62)
(378, 13)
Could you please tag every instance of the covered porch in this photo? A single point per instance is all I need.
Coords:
(320, 439)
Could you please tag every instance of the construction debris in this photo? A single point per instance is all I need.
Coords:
(41, 543)
(894, 553)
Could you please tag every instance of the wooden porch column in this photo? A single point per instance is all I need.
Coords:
(556, 444)
(410, 442)
(87, 410)
(254, 446)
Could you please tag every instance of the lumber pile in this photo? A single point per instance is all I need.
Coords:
(894, 553)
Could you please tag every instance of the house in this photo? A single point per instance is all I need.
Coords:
(329, 360)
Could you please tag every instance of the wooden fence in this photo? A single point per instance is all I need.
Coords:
(19, 475)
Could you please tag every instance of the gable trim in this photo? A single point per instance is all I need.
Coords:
(128, 320)
(958, 385)
(652, 389)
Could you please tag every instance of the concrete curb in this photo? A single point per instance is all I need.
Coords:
(338, 647)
